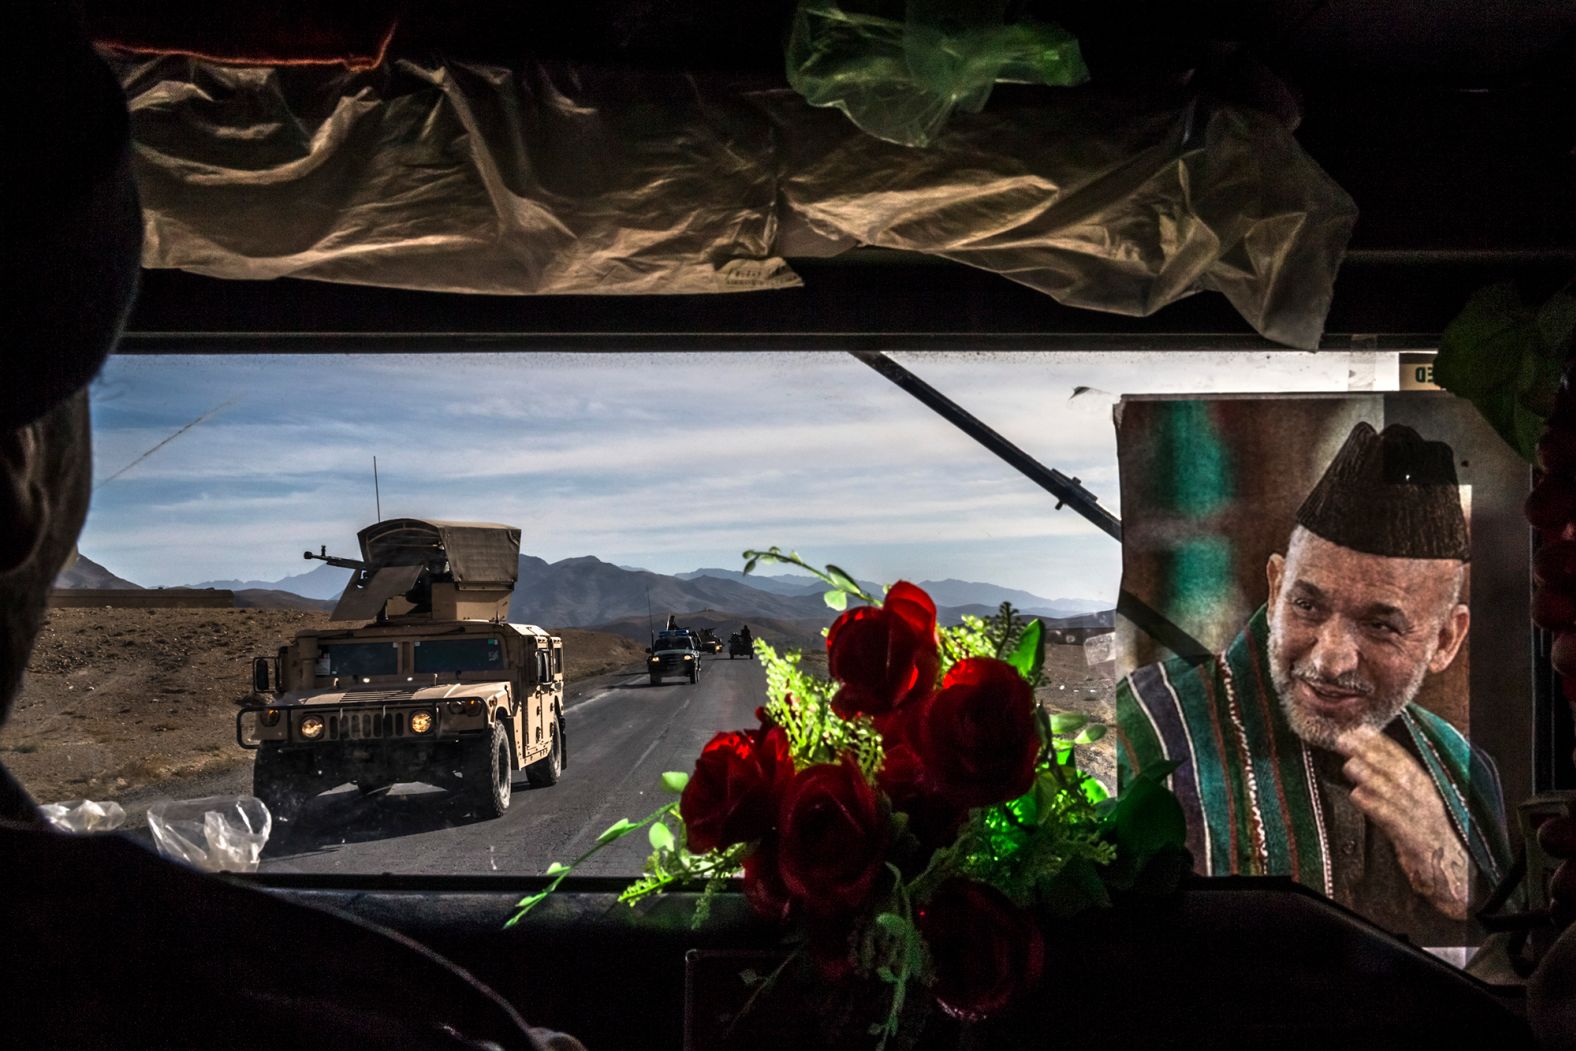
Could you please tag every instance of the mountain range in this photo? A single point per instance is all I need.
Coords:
(588, 592)
(324, 582)
(86, 573)
(946, 592)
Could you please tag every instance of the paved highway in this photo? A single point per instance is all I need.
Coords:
(623, 733)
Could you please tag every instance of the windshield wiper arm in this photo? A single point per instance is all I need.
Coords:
(1068, 491)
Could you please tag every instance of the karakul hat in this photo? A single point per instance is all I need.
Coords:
(1390, 493)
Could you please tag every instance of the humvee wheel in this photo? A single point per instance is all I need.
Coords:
(487, 783)
(544, 772)
(282, 782)
(656, 680)
(694, 675)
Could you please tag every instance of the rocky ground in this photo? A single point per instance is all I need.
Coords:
(118, 700)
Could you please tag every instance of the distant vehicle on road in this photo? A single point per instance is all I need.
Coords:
(673, 653)
(438, 687)
(739, 646)
(709, 642)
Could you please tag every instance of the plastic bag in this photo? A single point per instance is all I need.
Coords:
(85, 815)
(215, 833)
(899, 70)
(1100, 200)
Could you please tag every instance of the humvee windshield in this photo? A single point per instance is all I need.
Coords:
(877, 483)
(357, 658)
(449, 655)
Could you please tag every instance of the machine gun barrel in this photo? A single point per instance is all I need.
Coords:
(334, 560)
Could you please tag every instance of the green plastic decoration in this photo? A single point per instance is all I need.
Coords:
(1504, 355)
(899, 69)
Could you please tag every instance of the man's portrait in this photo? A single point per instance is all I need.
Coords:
(1297, 612)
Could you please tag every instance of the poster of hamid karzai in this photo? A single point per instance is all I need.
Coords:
(1323, 619)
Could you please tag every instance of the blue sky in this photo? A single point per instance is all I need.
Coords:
(670, 462)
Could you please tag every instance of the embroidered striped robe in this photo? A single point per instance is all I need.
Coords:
(1247, 783)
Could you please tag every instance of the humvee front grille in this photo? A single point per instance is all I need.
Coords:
(365, 726)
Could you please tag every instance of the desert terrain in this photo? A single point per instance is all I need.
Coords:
(120, 700)
(127, 703)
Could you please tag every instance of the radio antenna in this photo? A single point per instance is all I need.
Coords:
(650, 625)
(377, 492)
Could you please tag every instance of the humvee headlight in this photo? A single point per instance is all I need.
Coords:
(656, 660)
(420, 722)
(456, 707)
(689, 657)
(271, 717)
(472, 706)
(311, 727)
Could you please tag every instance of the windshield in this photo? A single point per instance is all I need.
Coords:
(458, 655)
(216, 473)
(357, 658)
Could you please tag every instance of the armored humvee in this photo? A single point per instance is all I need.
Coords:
(435, 685)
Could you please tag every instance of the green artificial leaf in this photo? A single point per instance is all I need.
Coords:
(1065, 723)
(660, 836)
(618, 829)
(893, 924)
(838, 600)
(1094, 791)
(886, 974)
(1147, 818)
(843, 580)
(1028, 656)
(526, 904)
(1505, 357)
(1557, 319)
(1027, 807)
(675, 781)
(555, 868)
(1090, 734)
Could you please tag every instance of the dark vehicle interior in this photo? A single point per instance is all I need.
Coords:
(1451, 127)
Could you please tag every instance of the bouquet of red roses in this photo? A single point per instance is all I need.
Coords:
(917, 815)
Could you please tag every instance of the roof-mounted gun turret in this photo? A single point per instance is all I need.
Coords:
(414, 568)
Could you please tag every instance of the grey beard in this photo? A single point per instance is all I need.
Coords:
(1319, 730)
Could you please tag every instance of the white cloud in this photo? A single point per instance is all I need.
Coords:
(634, 458)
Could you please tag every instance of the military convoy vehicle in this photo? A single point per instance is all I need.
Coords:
(673, 653)
(435, 686)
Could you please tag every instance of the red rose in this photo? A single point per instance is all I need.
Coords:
(831, 838)
(732, 795)
(884, 655)
(763, 887)
(976, 738)
(933, 818)
(986, 950)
